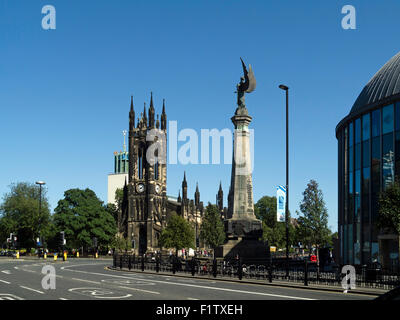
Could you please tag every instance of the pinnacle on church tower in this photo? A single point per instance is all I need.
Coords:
(163, 117)
(151, 112)
(131, 116)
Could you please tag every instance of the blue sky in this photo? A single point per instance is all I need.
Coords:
(65, 93)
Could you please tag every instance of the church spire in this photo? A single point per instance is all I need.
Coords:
(131, 116)
(151, 112)
(163, 117)
(184, 188)
(197, 196)
(144, 116)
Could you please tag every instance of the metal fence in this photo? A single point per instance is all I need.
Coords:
(303, 272)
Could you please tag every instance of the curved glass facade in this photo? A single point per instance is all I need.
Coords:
(369, 159)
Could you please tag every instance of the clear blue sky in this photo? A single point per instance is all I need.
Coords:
(65, 93)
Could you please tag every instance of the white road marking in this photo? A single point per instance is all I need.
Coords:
(192, 299)
(195, 286)
(97, 293)
(6, 271)
(84, 280)
(5, 281)
(63, 299)
(141, 290)
(27, 288)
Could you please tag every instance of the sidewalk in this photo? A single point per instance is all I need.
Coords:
(275, 283)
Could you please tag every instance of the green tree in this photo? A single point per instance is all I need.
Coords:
(82, 216)
(313, 223)
(19, 213)
(389, 208)
(265, 210)
(177, 234)
(121, 244)
(212, 229)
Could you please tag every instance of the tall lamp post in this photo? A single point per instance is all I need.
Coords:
(40, 183)
(286, 89)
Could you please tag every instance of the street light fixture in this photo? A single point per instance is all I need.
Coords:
(286, 89)
(40, 183)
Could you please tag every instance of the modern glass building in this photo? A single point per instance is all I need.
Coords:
(368, 160)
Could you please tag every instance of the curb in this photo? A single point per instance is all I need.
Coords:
(284, 284)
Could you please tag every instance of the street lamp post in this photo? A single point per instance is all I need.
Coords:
(40, 183)
(286, 89)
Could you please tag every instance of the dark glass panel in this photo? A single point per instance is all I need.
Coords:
(388, 159)
(376, 123)
(387, 119)
(357, 195)
(357, 156)
(366, 127)
(351, 199)
(357, 128)
(345, 244)
(397, 155)
(351, 134)
(350, 244)
(365, 194)
(351, 157)
(366, 154)
(376, 151)
(397, 112)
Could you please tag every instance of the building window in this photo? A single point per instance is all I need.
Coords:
(387, 160)
(366, 127)
(387, 119)
(376, 123)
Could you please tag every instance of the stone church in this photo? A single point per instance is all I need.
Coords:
(146, 207)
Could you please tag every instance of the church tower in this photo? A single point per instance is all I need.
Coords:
(147, 182)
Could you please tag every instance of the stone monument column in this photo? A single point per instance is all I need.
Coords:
(242, 228)
(242, 223)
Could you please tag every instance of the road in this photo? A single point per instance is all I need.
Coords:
(88, 279)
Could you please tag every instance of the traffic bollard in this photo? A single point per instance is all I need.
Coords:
(17, 255)
(45, 256)
(55, 257)
(77, 254)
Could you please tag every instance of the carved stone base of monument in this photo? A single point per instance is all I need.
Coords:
(243, 240)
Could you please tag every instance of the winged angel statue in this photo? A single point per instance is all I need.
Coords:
(247, 84)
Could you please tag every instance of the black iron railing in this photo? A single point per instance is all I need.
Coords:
(304, 272)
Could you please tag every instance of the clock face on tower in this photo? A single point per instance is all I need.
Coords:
(140, 187)
(158, 189)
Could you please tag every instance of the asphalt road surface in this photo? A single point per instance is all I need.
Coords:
(88, 279)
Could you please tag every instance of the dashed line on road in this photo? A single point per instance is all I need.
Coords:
(84, 280)
(27, 288)
(141, 290)
(6, 282)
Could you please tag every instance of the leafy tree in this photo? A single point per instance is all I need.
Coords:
(314, 222)
(121, 244)
(19, 213)
(389, 208)
(82, 216)
(212, 229)
(276, 236)
(177, 234)
(265, 210)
